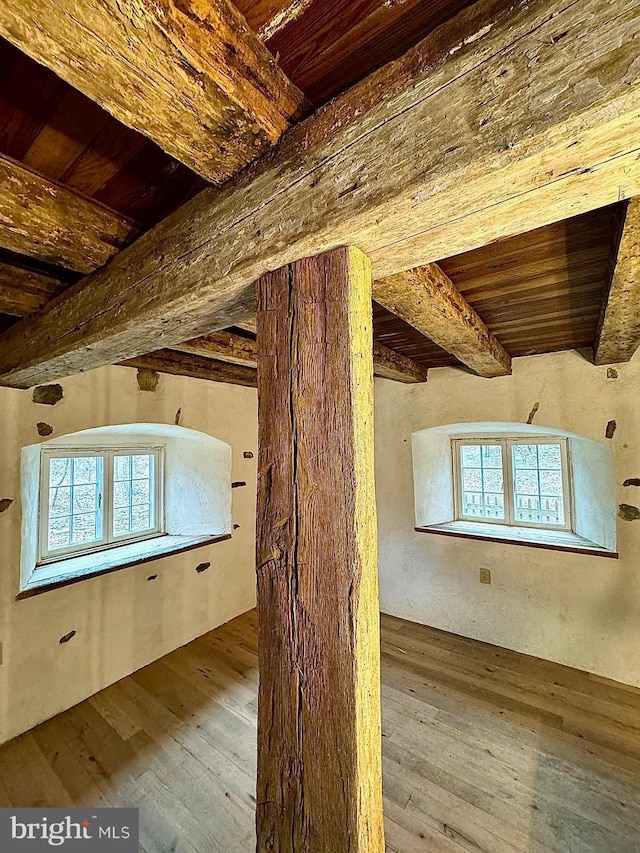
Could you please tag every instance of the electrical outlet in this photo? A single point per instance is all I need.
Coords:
(485, 575)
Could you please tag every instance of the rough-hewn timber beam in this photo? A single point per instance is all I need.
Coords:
(426, 299)
(191, 76)
(389, 364)
(46, 221)
(619, 331)
(224, 346)
(235, 349)
(24, 291)
(194, 366)
(539, 133)
(248, 326)
(319, 775)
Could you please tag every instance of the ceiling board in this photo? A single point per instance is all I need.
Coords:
(325, 46)
(537, 292)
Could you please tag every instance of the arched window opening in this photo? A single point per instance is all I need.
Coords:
(106, 498)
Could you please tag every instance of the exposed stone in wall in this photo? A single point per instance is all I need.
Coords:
(611, 428)
(533, 412)
(632, 481)
(44, 429)
(629, 513)
(67, 637)
(5, 503)
(48, 395)
(147, 379)
(202, 567)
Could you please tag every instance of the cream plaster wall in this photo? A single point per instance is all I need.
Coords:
(582, 611)
(122, 620)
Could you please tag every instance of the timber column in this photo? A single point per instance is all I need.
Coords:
(319, 764)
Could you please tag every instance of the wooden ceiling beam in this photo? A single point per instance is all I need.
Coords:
(190, 76)
(224, 346)
(619, 329)
(235, 349)
(194, 366)
(389, 364)
(248, 326)
(23, 291)
(388, 167)
(426, 299)
(47, 221)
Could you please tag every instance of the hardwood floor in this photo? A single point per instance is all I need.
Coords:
(484, 749)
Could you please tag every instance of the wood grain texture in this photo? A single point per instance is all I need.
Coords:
(389, 169)
(484, 749)
(57, 131)
(426, 299)
(237, 349)
(393, 365)
(619, 329)
(326, 47)
(190, 76)
(393, 332)
(23, 291)
(46, 221)
(319, 774)
(194, 366)
(225, 346)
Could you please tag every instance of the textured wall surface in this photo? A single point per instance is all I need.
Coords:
(122, 621)
(583, 611)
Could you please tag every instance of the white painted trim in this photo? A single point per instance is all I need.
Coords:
(559, 539)
(80, 566)
(507, 443)
(107, 455)
(196, 499)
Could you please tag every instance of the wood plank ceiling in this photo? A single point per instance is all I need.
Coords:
(538, 292)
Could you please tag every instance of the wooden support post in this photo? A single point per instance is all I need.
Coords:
(319, 762)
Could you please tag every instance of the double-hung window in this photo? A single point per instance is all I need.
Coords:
(92, 499)
(522, 482)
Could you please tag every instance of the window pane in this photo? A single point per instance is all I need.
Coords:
(85, 499)
(85, 470)
(75, 510)
(141, 518)
(60, 472)
(60, 501)
(122, 468)
(84, 528)
(141, 466)
(122, 493)
(59, 532)
(537, 474)
(481, 468)
(470, 455)
(120, 521)
(133, 490)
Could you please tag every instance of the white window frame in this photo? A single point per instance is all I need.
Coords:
(507, 443)
(108, 540)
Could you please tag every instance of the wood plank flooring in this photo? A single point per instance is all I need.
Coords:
(485, 750)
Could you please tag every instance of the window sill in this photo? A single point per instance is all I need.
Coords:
(553, 540)
(77, 568)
